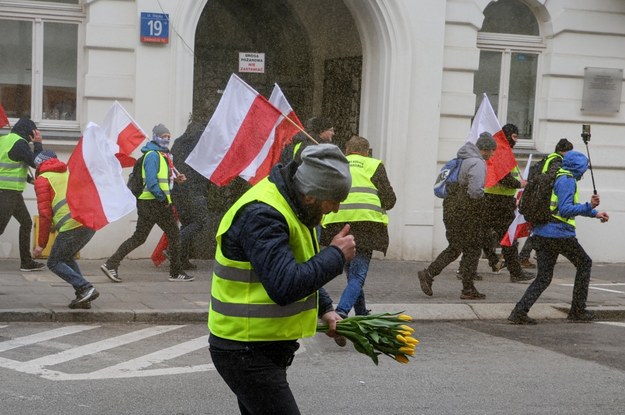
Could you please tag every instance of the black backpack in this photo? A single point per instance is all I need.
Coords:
(536, 199)
(135, 180)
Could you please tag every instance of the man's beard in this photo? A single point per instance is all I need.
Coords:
(312, 214)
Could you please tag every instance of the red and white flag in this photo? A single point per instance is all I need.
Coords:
(4, 120)
(235, 134)
(502, 161)
(125, 131)
(97, 193)
(281, 135)
(519, 228)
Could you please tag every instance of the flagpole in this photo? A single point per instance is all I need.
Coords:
(277, 109)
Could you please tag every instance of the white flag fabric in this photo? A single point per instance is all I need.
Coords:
(519, 228)
(235, 134)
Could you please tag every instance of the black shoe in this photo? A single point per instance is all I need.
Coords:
(472, 294)
(581, 316)
(188, 266)
(520, 318)
(33, 266)
(111, 273)
(181, 277)
(84, 295)
(523, 276)
(425, 280)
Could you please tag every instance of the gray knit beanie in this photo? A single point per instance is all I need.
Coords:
(323, 173)
(160, 130)
(486, 142)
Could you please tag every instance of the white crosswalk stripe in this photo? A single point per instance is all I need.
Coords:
(137, 367)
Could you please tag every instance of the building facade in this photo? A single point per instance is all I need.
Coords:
(406, 75)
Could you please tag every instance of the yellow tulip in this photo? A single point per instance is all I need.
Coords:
(404, 317)
(407, 350)
(411, 340)
(402, 359)
(401, 338)
(407, 328)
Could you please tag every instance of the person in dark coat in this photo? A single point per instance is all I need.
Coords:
(15, 157)
(319, 128)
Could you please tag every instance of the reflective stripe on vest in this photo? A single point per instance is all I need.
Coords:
(162, 176)
(13, 173)
(504, 190)
(554, 200)
(61, 216)
(240, 308)
(363, 202)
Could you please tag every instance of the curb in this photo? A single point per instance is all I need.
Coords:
(420, 313)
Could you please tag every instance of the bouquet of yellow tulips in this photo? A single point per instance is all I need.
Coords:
(376, 334)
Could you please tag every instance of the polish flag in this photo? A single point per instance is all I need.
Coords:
(4, 120)
(127, 134)
(502, 161)
(235, 134)
(97, 193)
(281, 135)
(519, 228)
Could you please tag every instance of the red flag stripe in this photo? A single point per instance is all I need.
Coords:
(129, 139)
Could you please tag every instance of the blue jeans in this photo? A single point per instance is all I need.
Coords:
(353, 296)
(547, 251)
(61, 260)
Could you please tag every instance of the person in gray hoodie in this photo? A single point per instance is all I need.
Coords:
(462, 216)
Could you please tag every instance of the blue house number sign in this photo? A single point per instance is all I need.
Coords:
(154, 27)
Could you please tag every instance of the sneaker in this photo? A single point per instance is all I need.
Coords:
(111, 273)
(33, 266)
(526, 263)
(85, 295)
(472, 294)
(581, 316)
(82, 306)
(520, 318)
(523, 276)
(188, 266)
(425, 280)
(181, 277)
(499, 265)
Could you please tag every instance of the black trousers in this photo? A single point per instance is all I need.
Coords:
(12, 205)
(152, 212)
(257, 376)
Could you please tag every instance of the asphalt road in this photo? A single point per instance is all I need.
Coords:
(470, 367)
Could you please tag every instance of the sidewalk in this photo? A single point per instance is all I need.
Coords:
(145, 295)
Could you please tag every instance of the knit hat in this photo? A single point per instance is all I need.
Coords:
(43, 156)
(160, 130)
(563, 145)
(486, 142)
(317, 125)
(24, 128)
(323, 173)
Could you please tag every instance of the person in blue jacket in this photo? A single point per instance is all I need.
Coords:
(558, 237)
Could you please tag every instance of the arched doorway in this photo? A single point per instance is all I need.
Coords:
(312, 50)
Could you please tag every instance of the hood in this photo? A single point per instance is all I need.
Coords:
(469, 150)
(576, 163)
(24, 128)
(151, 145)
(53, 165)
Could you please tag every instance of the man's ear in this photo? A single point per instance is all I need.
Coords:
(309, 200)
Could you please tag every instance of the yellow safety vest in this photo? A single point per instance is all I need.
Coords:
(503, 190)
(240, 308)
(554, 200)
(550, 158)
(13, 173)
(163, 178)
(363, 202)
(61, 216)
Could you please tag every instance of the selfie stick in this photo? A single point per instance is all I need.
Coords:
(586, 138)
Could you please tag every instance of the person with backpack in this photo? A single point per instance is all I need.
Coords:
(463, 218)
(500, 204)
(550, 165)
(72, 236)
(558, 237)
(154, 207)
